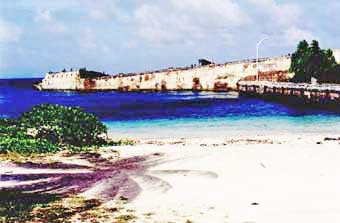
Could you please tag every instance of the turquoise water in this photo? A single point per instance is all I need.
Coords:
(227, 126)
(174, 114)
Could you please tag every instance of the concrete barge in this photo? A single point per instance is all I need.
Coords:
(208, 77)
(327, 95)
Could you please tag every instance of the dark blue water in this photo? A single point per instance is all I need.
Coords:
(17, 96)
(139, 111)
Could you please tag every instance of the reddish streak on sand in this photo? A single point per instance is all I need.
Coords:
(114, 174)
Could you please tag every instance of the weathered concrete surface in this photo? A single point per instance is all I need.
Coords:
(324, 95)
(214, 77)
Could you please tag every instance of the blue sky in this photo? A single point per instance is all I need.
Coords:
(136, 35)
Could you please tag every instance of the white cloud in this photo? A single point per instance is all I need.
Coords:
(212, 12)
(9, 32)
(282, 14)
(90, 43)
(50, 23)
(130, 44)
(43, 16)
(101, 11)
(169, 32)
(227, 39)
(87, 40)
(294, 35)
(285, 21)
(186, 22)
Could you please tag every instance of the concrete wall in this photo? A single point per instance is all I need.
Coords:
(212, 77)
(62, 80)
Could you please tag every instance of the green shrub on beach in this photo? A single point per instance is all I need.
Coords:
(17, 206)
(26, 146)
(7, 122)
(51, 128)
(8, 130)
(123, 142)
(15, 139)
(64, 125)
(11, 130)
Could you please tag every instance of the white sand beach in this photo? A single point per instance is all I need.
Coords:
(292, 181)
(263, 179)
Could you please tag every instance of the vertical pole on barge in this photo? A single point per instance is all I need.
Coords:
(257, 58)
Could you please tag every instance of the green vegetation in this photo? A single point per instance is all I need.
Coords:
(26, 146)
(125, 218)
(15, 205)
(14, 138)
(51, 128)
(124, 142)
(62, 211)
(64, 125)
(310, 61)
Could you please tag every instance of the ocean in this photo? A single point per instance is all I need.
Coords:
(173, 114)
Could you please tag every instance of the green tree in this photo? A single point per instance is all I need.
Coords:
(310, 61)
(298, 62)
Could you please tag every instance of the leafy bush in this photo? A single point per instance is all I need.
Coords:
(7, 122)
(26, 146)
(9, 128)
(48, 134)
(123, 142)
(16, 206)
(310, 61)
(51, 128)
(64, 125)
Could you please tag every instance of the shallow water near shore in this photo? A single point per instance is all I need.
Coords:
(226, 127)
(174, 114)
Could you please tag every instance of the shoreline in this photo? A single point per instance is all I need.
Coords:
(248, 178)
(226, 127)
(235, 138)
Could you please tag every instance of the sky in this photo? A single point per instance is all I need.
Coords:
(114, 36)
